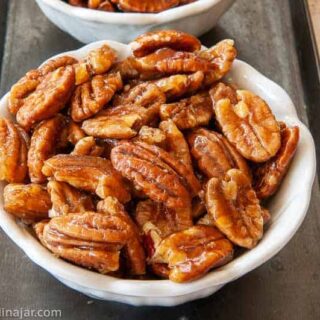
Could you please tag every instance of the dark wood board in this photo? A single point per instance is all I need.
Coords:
(286, 287)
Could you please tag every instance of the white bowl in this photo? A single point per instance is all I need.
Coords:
(88, 25)
(288, 209)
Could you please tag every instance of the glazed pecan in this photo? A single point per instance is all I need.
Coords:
(221, 56)
(214, 154)
(98, 61)
(90, 97)
(145, 6)
(193, 252)
(179, 85)
(66, 199)
(74, 133)
(153, 170)
(87, 147)
(198, 208)
(103, 5)
(153, 136)
(269, 175)
(43, 146)
(176, 144)
(133, 249)
(14, 144)
(249, 125)
(189, 113)
(48, 98)
(234, 208)
(88, 173)
(151, 41)
(26, 201)
(166, 220)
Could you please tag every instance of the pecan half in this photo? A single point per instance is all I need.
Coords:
(146, 6)
(26, 201)
(43, 146)
(74, 133)
(87, 147)
(189, 113)
(249, 125)
(214, 154)
(133, 249)
(90, 97)
(88, 173)
(48, 98)
(156, 173)
(151, 41)
(269, 175)
(66, 199)
(234, 208)
(14, 144)
(193, 252)
(153, 136)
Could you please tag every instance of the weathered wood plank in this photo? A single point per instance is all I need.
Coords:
(287, 287)
(3, 23)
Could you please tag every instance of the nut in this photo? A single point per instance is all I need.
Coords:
(27, 201)
(14, 144)
(234, 208)
(146, 6)
(87, 173)
(87, 147)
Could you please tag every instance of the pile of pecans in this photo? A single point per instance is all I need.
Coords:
(143, 6)
(146, 166)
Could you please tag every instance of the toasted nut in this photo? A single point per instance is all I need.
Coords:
(153, 136)
(151, 41)
(156, 173)
(214, 154)
(87, 147)
(75, 133)
(66, 199)
(269, 175)
(249, 125)
(147, 6)
(27, 201)
(14, 144)
(193, 252)
(90, 97)
(234, 208)
(88, 173)
(133, 249)
(43, 146)
(189, 113)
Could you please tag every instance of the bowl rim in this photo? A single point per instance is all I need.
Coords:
(133, 18)
(165, 288)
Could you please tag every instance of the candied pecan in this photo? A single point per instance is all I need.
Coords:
(75, 133)
(26, 201)
(156, 173)
(88, 173)
(193, 252)
(189, 113)
(167, 220)
(160, 269)
(14, 144)
(214, 154)
(78, 3)
(104, 5)
(221, 56)
(144, 95)
(234, 208)
(145, 6)
(153, 136)
(28, 84)
(151, 41)
(223, 91)
(249, 125)
(66, 199)
(198, 208)
(90, 97)
(87, 147)
(176, 144)
(133, 249)
(180, 84)
(269, 175)
(43, 146)
(49, 97)
(265, 215)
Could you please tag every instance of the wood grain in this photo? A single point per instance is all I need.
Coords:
(314, 9)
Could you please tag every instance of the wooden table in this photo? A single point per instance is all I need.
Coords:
(286, 287)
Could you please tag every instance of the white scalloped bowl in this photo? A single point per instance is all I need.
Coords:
(88, 25)
(288, 209)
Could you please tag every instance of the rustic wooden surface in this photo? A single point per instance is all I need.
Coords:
(314, 9)
(286, 287)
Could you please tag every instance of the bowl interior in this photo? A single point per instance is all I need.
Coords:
(288, 207)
